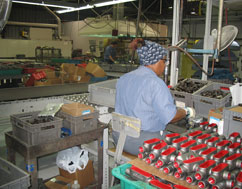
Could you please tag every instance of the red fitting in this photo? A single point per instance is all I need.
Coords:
(194, 134)
(159, 184)
(170, 137)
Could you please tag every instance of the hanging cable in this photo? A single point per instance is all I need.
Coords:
(194, 61)
(229, 55)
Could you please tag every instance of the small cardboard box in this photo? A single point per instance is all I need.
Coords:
(216, 116)
(59, 182)
(85, 177)
(42, 83)
(77, 109)
(95, 70)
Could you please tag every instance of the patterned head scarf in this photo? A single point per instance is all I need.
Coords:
(151, 53)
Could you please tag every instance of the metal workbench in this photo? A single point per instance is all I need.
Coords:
(31, 153)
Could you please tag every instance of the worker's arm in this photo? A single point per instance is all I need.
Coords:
(180, 114)
(111, 58)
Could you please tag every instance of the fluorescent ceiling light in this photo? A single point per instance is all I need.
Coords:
(113, 2)
(75, 9)
(42, 4)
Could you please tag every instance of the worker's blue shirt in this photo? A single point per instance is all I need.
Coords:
(142, 94)
(109, 51)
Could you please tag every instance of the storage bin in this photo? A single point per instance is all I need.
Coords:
(12, 177)
(203, 104)
(125, 182)
(36, 133)
(232, 120)
(79, 124)
(185, 98)
(103, 93)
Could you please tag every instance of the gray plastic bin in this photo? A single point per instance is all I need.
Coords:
(186, 97)
(79, 124)
(103, 93)
(34, 134)
(203, 104)
(12, 177)
(232, 120)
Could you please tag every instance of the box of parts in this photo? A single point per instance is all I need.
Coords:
(85, 177)
(59, 182)
(232, 120)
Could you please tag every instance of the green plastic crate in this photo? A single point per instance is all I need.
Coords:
(4, 72)
(125, 182)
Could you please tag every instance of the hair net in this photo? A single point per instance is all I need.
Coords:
(151, 53)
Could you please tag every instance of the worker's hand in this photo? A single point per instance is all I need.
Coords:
(190, 112)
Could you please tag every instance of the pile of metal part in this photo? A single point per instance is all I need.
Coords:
(218, 94)
(41, 120)
(200, 156)
(189, 86)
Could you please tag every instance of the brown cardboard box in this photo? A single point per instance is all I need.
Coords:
(42, 83)
(59, 182)
(217, 113)
(78, 74)
(95, 70)
(85, 177)
(49, 72)
(77, 109)
(68, 68)
(216, 116)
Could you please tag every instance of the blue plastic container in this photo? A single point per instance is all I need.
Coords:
(125, 182)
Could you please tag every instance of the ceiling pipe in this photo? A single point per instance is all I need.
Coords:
(42, 25)
(58, 22)
(220, 19)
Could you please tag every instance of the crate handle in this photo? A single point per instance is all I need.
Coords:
(237, 118)
(224, 88)
(179, 96)
(19, 124)
(47, 127)
(205, 101)
(25, 117)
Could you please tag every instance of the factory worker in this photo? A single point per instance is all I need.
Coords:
(144, 95)
(110, 53)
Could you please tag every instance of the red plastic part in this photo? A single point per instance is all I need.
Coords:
(223, 143)
(189, 143)
(211, 180)
(179, 140)
(203, 136)
(195, 133)
(213, 139)
(207, 164)
(160, 184)
(224, 88)
(221, 154)
(215, 187)
(201, 185)
(208, 151)
(152, 156)
(151, 141)
(179, 170)
(212, 125)
(176, 164)
(204, 123)
(234, 145)
(234, 134)
(172, 135)
(189, 179)
(168, 151)
(198, 176)
(192, 160)
(148, 160)
(140, 171)
(177, 175)
(239, 177)
(199, 146)
(166, 170)
(140, 156)
(160, 145)
(141, 149)
(233, 157)
(159, 162)
(220, 167)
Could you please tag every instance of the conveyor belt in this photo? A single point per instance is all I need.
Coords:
(43, 91)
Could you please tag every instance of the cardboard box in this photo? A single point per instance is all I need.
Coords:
(77, 109)
(216, 116)
(85, 177)
(95, 70)
(42, 83)
(59, 182)
(68, 68)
